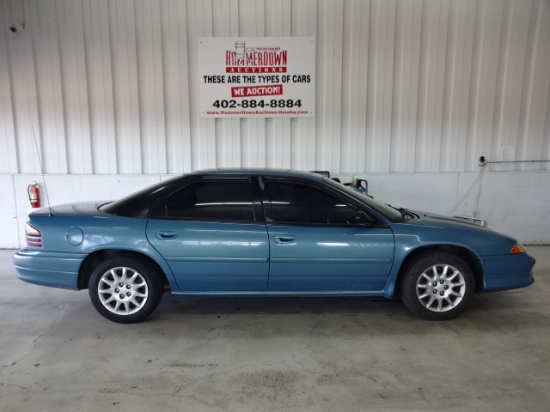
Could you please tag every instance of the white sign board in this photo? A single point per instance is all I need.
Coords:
(257, 76)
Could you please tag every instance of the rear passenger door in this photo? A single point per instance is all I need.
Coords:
(212, 234)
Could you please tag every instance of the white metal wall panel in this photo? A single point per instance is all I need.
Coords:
(403, 86)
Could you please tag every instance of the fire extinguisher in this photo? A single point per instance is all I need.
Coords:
(34, 195)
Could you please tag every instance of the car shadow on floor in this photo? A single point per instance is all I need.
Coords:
(499, 311)
(276, 305)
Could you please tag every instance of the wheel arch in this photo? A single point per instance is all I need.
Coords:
(93, 259)
(469, 257)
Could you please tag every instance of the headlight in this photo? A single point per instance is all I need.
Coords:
(517, 249)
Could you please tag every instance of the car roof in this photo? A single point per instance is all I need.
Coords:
(258, 172)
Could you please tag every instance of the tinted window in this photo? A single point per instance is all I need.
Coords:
(210, 200)
(297, 203)
(137, 204)
(389, 212)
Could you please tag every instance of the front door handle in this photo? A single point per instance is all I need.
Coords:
(285, 239)
(166, 234)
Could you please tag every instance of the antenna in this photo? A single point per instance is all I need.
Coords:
(41, 169)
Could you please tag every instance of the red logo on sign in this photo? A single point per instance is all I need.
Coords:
(255, 59)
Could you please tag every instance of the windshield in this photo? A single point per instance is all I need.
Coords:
(388, 212)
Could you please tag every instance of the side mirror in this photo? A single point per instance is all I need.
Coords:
(360, 185)
(362, 218)
(366, 219)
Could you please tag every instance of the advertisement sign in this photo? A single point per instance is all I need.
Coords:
(257, 77)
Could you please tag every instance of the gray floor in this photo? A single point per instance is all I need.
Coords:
(264, 354)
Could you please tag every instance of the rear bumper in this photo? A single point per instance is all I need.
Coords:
(55, 269)
(507, 272)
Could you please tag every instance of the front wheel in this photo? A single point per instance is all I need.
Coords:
(125, 289)
(437, 286)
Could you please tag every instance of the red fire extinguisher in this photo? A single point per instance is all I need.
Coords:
(34, 195)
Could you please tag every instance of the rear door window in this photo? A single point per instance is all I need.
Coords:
(223, 200)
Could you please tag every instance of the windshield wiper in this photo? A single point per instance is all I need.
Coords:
(404, 212)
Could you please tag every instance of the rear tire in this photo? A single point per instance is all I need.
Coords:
(437, 285)
(125, 289)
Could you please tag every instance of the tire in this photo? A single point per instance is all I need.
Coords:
(437, 285)
(125, 289)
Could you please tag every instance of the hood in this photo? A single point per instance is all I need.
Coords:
(436, 221)
(454, 219)
(431, 228)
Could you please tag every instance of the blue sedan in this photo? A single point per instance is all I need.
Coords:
(264, 232)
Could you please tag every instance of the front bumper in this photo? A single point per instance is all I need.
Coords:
(55, 269)
(507, 272)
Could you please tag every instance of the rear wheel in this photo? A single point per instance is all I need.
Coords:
(437, 286)
(125, 289)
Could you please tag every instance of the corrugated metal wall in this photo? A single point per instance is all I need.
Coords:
(403, 86)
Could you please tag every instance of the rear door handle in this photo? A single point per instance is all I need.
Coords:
(285, 239)
(166, 234)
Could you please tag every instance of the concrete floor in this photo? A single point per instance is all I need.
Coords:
(266, 354)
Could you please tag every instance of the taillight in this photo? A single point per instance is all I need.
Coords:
(33, 236)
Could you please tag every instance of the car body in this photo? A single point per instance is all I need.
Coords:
(245, 232)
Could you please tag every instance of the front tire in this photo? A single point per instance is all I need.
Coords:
(125, 289)
(437, 286)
